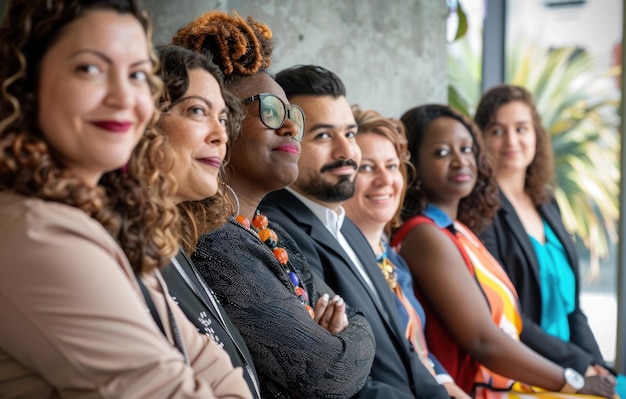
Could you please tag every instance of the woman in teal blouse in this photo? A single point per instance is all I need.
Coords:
(528, 236)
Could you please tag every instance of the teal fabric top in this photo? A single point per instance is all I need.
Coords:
(558, 286)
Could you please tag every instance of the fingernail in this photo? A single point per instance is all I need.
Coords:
(340, 301)
(335, 298)
(324, 297)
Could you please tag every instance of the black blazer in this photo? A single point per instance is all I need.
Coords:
(397, 371)
(508, 242)
(203, 309)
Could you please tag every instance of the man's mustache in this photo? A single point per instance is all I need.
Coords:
(339, 164)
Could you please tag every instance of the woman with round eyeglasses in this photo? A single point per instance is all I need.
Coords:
(273, 112)
(303, 339)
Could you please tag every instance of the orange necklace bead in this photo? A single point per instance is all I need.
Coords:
(259, 221)
(270, 239)
(242, 220)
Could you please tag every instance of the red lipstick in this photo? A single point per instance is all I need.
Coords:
(113, 126)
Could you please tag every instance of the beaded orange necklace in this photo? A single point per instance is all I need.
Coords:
(270, 239)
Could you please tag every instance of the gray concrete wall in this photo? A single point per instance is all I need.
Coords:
(391, 54)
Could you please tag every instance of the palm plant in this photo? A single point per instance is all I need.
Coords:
(464, 75)
(579, 109)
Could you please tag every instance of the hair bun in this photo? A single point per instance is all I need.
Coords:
(238, 46)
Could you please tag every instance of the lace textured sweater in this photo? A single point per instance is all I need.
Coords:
(294, 356)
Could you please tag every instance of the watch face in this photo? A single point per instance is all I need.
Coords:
(574, 379)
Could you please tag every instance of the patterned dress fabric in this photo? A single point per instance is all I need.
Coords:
(502, 299)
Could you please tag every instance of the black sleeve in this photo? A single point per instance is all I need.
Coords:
(582, 336)
(565, 354)
(504, 248)
(425, 386)
(291, 352)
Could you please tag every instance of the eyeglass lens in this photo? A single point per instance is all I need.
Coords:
(273, 113)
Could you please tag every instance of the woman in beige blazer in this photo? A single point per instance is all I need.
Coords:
(84, 311)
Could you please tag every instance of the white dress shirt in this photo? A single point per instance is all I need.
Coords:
(333, 221)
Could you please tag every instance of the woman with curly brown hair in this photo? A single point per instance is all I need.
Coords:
(471, 305)
(199, 117)
(81, 234)
(528, 237)
(304, 344)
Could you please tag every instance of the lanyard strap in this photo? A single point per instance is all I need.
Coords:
(209, 293)
(178, 342)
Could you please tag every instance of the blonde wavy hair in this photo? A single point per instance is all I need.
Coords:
(134, 211)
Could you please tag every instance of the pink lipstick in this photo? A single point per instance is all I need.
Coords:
(461, 178)
(216, 162)
(290, 148)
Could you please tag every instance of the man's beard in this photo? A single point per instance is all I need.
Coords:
(325, 191)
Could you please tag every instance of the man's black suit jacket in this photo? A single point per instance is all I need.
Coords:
(507, 240)
(396, 371)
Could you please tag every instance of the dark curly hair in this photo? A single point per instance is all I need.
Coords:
(540, 176)
(197, 217)
(27, 164)
(478, 208)
(372, 122)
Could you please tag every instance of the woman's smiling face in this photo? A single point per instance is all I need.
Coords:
(379, 183)
(196, 127)
(94, 96)
(263, 158)
(447, 162)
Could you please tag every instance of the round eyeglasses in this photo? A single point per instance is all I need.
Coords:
(274, 112)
